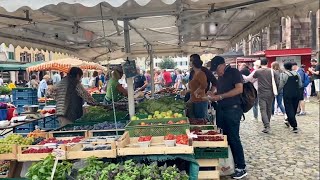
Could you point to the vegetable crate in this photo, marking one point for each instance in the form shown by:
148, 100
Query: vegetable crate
9, 156
208, 169
36, 156
24, 92
76, 151
157, 127
129, 146
109, 132
98, 97
74, 133
211, 153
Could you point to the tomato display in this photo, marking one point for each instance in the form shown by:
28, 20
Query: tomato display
144, 138
169, 137
182, 139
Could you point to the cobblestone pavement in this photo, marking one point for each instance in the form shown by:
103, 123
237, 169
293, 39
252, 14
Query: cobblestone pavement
282, 154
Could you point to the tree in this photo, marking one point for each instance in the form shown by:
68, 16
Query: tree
167, 63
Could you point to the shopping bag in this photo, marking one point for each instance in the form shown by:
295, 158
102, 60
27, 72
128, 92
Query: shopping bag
226, 165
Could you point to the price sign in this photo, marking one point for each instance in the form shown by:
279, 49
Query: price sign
129, 69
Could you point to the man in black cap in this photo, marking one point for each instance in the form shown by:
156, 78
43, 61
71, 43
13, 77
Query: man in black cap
229, 111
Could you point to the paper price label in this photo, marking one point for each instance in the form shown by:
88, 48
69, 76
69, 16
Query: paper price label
58, 153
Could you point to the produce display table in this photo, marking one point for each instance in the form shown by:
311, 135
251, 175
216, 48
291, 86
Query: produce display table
13, 126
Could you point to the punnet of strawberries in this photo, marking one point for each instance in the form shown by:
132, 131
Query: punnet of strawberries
170, 137
200, 132
209, 138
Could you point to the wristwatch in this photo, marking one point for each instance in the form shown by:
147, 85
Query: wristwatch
220, 97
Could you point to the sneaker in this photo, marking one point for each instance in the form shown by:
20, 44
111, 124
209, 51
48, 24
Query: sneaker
285, 117
280, 114
239, 174
302, 114
266, 130
295, 130
286, 122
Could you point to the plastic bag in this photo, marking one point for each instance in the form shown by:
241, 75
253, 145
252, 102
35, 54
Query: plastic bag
226, 166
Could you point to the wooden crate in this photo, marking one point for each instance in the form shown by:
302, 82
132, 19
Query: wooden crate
205, 144
36, 156
129, 146
92, 132
54, 133
76, 152
213, 173
9, 156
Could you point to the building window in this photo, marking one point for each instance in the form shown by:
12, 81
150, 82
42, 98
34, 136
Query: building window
39, 57
181, 63
25, 57
10, 55
156, 64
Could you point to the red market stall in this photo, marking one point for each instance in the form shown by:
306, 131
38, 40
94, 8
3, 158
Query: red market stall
300, 56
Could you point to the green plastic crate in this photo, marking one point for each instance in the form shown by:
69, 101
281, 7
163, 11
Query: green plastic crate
135, 129
211, 153
98, 97
51, 103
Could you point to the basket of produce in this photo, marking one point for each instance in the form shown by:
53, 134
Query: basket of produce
157, 127
148, 145
97, 149
208, 138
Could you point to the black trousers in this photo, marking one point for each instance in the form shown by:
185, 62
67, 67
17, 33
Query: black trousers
291, 105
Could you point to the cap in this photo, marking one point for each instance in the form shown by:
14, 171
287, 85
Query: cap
215, 62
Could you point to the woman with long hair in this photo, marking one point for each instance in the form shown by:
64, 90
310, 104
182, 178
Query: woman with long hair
276, 67
70, 96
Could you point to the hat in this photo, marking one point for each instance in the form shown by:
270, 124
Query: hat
215, 62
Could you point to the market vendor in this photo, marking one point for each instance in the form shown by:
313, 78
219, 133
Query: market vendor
114, 88
43, 86
70, 94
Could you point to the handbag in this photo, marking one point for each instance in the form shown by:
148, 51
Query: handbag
274, 86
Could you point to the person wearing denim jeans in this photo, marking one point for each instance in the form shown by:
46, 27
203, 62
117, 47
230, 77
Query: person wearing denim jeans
255, 109
279, 99
229, 112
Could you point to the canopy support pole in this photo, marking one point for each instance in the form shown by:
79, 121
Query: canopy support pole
129, 80
150, 51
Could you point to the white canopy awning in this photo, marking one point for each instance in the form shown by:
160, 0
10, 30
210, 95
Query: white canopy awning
171, 27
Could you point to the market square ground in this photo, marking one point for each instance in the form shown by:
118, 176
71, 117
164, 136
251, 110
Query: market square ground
282, 154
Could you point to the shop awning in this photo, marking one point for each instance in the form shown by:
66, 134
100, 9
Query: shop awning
17, 67
289, 52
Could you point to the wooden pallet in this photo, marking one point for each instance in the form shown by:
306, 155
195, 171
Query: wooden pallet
129, 146
76, 152
36, 156
209, 144
9, 156
208, 174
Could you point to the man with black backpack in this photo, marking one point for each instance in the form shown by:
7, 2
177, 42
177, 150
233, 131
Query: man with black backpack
229, 109
291, 83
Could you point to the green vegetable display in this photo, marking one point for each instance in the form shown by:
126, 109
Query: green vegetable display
163, 104
4, 90
99, 114
129, 170
42, 170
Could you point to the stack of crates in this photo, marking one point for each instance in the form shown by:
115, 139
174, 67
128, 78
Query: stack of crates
24, 96
49, 123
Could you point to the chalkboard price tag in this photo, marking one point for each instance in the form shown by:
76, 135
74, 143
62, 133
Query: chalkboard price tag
129, 69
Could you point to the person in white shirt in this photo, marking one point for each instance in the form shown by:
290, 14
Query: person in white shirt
56, 78
43, 86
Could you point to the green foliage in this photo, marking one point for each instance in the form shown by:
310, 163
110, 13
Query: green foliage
42, 170
99, 114
4, 90
167, 63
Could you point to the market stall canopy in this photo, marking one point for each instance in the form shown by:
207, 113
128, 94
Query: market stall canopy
64, 65
171, 27
17, 67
